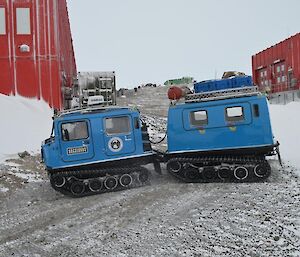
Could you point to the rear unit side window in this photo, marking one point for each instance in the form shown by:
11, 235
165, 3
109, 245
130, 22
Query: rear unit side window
117, 125
23, 21
2, 21
74, 131
256, 110
199, 118
235, 113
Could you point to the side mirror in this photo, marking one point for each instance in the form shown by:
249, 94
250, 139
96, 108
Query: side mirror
136, 123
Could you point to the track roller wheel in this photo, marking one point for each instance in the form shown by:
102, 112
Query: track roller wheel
143, 176
110, 182
125, 180
262, 170
77, 188
209, 173
224, 173
241, 173
174, 166
59, 181
95, 185
192, 173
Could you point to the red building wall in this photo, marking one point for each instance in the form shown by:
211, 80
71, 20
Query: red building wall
36, 51
277, 68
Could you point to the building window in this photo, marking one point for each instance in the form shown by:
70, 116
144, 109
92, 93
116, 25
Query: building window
282, 67
263, 74
278, 69
118, 125
234, 113
278, 79
23, 21
199, 118
283, 78
2, 21
74, 131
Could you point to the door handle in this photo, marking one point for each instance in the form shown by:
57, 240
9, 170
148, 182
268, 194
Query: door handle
127, 138
85, 142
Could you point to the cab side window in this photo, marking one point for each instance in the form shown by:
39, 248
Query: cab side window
256, 110
235, 113
74, 131
117, 125
199, 118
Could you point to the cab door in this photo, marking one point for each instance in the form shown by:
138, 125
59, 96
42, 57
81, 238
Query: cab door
118, 135
76, 140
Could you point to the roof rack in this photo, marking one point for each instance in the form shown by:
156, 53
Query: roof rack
88, 109
222, 94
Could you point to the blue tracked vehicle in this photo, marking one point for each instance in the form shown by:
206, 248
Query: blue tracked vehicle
95, 150
220, 135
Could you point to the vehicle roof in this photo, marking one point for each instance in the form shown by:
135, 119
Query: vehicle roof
78, 113
219, 102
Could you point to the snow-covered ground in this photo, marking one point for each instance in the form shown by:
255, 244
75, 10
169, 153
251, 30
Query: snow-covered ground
286, 128
167, 218
24, 124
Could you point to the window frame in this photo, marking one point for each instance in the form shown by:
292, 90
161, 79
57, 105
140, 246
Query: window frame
20, 29
118, 133
234, 118
278, 68
192, 119
80, 121
278, 80
262, 74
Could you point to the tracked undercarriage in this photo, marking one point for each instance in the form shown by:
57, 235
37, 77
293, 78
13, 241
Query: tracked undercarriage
78, 183
219, 169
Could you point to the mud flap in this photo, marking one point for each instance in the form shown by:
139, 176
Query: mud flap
156, 165
278, 153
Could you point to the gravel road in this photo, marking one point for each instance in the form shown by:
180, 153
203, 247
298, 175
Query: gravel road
166, 218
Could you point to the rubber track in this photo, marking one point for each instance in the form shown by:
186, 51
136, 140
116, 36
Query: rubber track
85, 175
213, 161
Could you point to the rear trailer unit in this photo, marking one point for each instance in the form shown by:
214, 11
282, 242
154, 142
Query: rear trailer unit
220, 135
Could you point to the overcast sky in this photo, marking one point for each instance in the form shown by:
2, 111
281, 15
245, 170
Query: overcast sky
156, 40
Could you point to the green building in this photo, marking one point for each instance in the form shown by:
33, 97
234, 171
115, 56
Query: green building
182, 81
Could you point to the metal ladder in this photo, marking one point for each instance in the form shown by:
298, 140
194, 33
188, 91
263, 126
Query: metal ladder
222, 94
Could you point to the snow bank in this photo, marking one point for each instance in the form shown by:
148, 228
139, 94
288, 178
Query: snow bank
286, 128
25, 123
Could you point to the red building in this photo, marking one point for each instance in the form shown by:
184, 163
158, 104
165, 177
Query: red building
277, 68
36, 51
